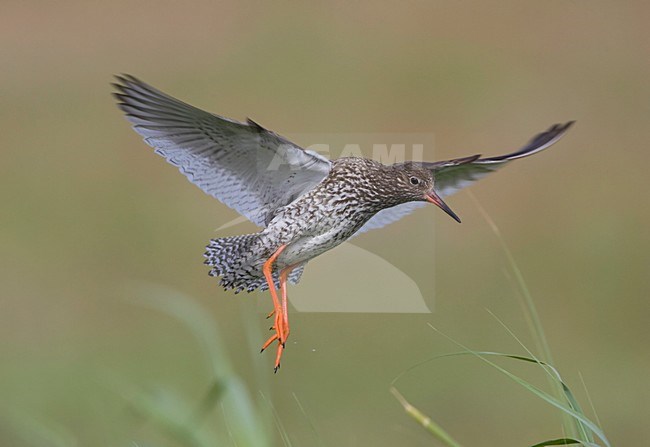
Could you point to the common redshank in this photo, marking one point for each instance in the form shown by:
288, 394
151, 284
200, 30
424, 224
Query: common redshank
304, 203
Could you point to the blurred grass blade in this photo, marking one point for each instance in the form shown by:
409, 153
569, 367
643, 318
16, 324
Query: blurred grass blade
579, 416
168, 413
228, 389
573, 403
308, 419
425, 421
561, 441
572, 410
209, 402
278, 422
185, 310
582, 431
532, 317
591, 403
531, 310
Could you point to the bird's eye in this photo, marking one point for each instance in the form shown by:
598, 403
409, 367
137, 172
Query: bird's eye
414, 181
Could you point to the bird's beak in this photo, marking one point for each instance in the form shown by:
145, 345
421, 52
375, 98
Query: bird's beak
434, 198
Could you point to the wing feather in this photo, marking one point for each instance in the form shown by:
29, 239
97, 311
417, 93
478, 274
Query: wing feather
389, 215
243, 165
451, 176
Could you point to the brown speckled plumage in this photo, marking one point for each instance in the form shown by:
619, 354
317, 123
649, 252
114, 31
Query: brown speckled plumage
330, 213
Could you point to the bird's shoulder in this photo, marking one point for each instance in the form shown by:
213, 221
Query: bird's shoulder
356, 164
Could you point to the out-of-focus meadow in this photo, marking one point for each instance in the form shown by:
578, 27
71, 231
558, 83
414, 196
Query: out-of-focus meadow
93, 223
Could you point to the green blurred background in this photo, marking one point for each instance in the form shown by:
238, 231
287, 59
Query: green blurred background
88, 210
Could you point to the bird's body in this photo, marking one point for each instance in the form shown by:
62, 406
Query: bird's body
314, 223
305, 203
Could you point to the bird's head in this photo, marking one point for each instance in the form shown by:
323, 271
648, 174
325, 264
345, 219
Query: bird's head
417, 183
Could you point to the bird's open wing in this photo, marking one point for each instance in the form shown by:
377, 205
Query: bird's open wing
389, 215
245, 166
453, 175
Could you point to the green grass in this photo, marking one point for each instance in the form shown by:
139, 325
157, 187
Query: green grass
245, 422
578, 427
227, 404
228, 413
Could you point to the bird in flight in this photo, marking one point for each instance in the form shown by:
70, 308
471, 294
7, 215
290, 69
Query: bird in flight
304, 203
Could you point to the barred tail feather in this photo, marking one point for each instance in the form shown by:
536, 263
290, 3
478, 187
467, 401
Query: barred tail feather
230, 259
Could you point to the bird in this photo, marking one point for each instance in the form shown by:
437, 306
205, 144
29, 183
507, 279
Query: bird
304, 203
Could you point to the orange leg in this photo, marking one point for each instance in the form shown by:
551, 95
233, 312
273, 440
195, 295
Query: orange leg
279, 335
284, 274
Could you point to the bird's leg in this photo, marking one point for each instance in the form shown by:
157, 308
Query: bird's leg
267, 269
284, 274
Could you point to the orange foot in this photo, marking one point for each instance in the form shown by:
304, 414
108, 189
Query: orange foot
281, 322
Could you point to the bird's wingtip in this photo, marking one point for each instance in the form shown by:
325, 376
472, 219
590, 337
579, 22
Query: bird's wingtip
254, 124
